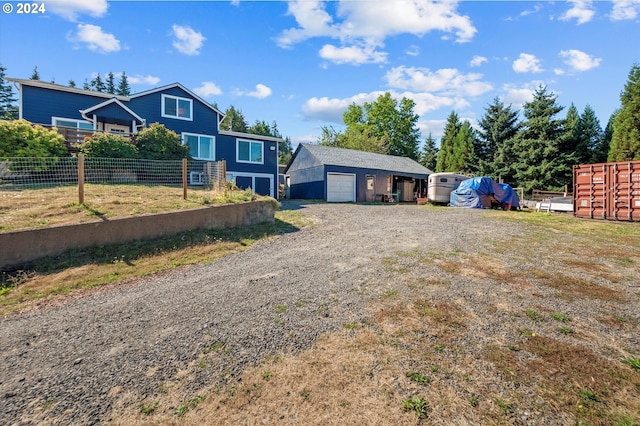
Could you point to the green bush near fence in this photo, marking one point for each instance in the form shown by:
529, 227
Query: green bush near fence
19, 138
156, 142
108, 145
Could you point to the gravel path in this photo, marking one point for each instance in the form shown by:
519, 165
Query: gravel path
70, 364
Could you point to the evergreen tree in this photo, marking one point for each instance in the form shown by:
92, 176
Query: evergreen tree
601, 150
8, 109
97, 84
111, 85
498, 126
570, 143
464, 159
86, 85
123, 86
71, 83
261, 127
445, 154
540, 163
590, 136
35, 75
234, 120
285, 151
625, 143
429, 154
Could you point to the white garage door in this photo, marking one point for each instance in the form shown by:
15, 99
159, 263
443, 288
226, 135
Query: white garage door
341, 188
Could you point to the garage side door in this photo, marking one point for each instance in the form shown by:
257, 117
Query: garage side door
341, 188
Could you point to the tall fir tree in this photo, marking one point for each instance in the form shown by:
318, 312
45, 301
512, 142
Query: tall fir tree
625, 143
497, 126
234, 120
111, 83
97, 84
35, 74
445, 154
285, 151
590, 136
8, 109
71, 83
123, 85
600, 152
540, 162
429, 154
463, 157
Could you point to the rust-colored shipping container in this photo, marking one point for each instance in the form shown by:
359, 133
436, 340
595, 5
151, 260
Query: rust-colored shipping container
607, 191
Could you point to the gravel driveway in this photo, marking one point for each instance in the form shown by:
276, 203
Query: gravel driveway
71, 364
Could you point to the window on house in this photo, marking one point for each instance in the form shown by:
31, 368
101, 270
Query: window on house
249, 152
71, 123
174, 107
201, 147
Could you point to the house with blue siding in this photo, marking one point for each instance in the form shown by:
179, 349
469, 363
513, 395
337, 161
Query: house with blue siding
252, 160
346, 175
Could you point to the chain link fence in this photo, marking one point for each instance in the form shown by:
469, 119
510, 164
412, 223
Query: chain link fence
34, 173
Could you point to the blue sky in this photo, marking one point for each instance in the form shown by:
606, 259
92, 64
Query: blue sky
301, 63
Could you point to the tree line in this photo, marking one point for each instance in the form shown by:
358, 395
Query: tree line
234, 119
537, 151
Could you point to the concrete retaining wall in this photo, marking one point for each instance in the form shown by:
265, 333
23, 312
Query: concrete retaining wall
20, 247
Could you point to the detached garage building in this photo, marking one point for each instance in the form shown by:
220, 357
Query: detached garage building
346, 175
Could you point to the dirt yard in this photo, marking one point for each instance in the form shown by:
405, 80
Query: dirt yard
374, 315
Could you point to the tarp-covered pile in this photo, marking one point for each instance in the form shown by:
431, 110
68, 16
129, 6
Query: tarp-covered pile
479, 192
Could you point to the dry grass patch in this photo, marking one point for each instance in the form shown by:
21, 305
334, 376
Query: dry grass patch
572, 379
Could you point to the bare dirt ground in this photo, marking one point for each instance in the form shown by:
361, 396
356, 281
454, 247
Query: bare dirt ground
377, 314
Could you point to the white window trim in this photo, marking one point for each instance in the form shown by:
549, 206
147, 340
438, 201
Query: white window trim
238, 160
213, 138
177, 98
231, 177
74, 120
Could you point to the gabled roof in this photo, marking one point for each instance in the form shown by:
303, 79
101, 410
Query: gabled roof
180, 86
61, 88
109, 102
250, 136
329, 155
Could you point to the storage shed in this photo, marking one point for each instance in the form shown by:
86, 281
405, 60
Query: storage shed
346, 175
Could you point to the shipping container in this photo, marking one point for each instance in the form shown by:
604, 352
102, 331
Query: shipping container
608, 191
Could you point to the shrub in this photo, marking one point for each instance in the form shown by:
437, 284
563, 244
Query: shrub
107, 145
19, 138
156, 142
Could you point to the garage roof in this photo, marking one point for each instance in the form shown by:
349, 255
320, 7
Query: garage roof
329, 155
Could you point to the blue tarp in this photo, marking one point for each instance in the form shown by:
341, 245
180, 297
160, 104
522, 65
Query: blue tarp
478, 193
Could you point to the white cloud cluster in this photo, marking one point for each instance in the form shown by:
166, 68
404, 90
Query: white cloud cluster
206, 89
71, 9
527, 63
445, 81
625, 10
143, 79
95, 39
362, 27
260, 92
478, 60
582, 11
187, 40
579, 61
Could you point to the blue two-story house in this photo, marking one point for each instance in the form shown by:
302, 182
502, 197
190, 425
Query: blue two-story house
252, 160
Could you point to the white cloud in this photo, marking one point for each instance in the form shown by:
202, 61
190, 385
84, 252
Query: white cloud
360, 26
579, 61
207, 89
477, 60
625, 10
143, 79
582, 11
95, 39
413, 50
435, 127
446, 81
352, 55
517, 96
187, 40
71, 9
527, 63
261, 92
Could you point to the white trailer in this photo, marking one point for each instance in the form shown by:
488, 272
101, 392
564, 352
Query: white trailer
441, 185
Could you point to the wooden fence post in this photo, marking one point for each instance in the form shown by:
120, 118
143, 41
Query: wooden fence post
184, 178
81, 178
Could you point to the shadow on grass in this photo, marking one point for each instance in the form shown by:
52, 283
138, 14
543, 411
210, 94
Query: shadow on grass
130, 252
